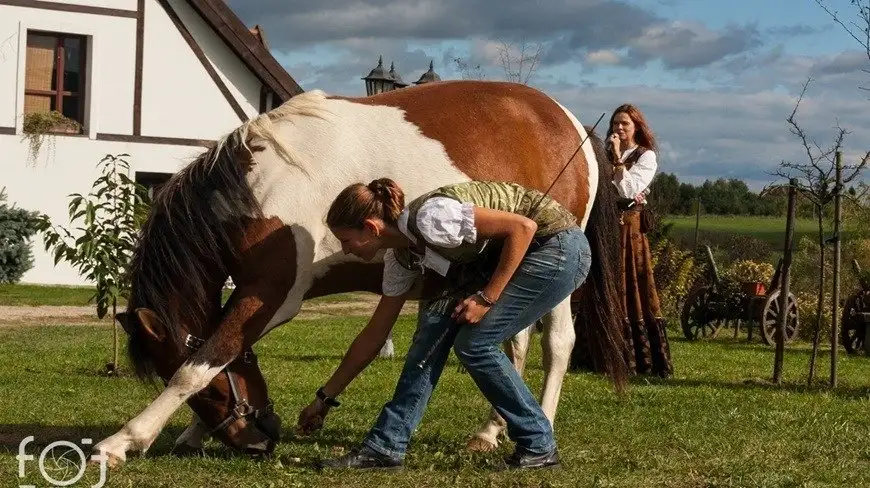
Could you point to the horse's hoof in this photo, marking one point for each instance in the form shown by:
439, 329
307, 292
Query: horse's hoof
112, 461
477, 444
184, 450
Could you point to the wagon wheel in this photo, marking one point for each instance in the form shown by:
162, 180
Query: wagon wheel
770, 317
852, 333
696, 320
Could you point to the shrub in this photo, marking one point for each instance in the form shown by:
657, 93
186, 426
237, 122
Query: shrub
675, 271
747, 270
16, 227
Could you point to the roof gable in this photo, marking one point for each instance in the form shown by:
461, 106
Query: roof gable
247, 46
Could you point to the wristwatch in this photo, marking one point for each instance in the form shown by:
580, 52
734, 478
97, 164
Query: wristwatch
327, 400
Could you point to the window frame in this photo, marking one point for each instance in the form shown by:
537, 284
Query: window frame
58, 66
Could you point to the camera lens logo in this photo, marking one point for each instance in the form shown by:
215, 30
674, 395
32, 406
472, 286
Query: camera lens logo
61, 463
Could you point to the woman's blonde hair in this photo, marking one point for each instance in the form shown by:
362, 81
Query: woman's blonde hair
382, 198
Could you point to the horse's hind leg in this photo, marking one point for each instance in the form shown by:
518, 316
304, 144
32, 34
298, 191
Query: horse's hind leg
388, 350
557, 343
486, 438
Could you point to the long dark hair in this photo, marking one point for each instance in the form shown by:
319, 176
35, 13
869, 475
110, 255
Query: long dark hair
187, 241
601, 344
643, 135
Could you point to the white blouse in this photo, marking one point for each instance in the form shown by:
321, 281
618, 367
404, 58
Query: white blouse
443, 222
639, 177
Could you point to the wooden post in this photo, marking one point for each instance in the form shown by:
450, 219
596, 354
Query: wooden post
785, 282
835, 309
697, 220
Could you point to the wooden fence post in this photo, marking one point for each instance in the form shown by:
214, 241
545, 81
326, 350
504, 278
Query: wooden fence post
835, 308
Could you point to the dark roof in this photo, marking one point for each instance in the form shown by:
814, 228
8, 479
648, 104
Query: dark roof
250, 48
429, 76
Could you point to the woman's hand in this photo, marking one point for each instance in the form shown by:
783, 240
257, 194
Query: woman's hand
471, 310
615, 144
311, 417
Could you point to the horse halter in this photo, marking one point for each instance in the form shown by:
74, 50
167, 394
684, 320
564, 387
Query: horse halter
241, 408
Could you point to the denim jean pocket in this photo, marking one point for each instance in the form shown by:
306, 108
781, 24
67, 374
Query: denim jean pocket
545, 261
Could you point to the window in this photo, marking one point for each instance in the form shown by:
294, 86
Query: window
55, 74
152, 181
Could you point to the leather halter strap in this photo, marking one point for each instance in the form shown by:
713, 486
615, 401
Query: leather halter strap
241, 408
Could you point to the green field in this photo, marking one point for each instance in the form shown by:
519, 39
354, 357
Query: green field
32, 295
716, 423
717, 229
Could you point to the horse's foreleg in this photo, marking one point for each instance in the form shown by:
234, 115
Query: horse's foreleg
139, 433
486, 438
190, 441
557, 343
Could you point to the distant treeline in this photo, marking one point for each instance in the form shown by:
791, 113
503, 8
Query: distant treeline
721, 197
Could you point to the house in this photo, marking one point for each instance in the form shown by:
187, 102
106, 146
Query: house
159, 80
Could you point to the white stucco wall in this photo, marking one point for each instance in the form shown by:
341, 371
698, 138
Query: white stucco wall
68, 165
179, 100
176, 87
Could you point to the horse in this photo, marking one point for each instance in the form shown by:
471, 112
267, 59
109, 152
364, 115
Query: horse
253, 207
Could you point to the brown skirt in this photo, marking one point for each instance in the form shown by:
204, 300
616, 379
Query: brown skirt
647, 340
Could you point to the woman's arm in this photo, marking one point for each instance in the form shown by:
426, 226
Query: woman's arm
366, 345
358, 356
517, 232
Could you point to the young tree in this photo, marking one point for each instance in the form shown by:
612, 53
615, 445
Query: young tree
816, 182
519, 62
107, 223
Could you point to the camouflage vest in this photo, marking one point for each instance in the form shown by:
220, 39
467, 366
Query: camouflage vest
550, 216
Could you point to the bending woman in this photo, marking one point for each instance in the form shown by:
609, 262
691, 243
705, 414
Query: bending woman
517, 261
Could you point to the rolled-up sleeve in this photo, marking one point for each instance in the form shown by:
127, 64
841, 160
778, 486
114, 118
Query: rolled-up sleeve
638, 178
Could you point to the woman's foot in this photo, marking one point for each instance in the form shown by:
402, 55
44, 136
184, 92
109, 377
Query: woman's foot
533, 461
363, 458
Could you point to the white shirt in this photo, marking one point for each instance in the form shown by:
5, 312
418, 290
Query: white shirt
443, 222
639, 177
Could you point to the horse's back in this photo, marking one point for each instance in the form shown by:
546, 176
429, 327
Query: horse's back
502, 131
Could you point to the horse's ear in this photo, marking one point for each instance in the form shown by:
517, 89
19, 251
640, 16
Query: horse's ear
151, 324
126, 321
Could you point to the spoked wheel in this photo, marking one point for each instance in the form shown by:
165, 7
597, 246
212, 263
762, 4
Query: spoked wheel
696, 320
770, 317
852, 333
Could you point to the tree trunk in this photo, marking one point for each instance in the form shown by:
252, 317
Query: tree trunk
820, 299
114, 335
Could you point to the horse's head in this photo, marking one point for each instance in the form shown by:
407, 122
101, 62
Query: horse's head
180, 264
234, 407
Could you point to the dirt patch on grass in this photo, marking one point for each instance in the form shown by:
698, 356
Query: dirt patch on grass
12, 316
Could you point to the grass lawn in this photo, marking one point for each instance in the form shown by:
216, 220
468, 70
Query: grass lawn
715, 424
716, 228
32, 295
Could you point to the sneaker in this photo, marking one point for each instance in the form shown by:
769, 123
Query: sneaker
363, 458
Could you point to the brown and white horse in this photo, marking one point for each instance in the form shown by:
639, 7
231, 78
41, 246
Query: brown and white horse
254, 206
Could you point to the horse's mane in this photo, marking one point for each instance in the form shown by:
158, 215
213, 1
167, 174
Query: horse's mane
188, 238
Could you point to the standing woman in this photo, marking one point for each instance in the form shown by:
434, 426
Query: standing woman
632, 146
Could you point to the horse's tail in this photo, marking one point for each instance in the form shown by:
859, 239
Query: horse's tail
600, 334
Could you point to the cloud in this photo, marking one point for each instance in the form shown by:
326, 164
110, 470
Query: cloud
685, 45
570, 29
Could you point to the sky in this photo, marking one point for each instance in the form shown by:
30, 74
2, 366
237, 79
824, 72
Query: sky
716, 80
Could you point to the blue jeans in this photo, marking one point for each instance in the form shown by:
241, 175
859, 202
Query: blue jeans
546, 276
